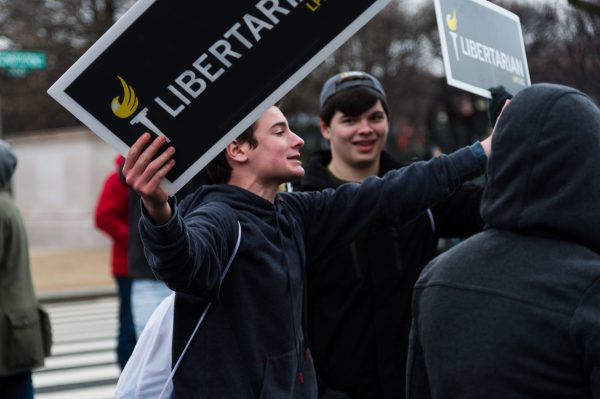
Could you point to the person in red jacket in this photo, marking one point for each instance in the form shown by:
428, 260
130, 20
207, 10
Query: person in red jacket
112, 217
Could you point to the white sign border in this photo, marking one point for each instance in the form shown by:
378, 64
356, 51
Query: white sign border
57, 90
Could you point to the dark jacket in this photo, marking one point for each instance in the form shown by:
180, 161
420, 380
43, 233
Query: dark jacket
138, 265
136, 260
359, 297
513, 312
252, 344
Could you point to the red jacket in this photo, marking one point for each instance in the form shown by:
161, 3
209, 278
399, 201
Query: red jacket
112, 217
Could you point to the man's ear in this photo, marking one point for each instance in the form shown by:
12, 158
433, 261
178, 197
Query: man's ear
237, 151
324, 130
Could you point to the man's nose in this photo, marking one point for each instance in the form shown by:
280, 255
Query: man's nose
297, 142
364, 127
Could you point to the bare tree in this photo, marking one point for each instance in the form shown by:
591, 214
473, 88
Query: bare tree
63, 30
562, 44
399, 46
587, 6
390, 48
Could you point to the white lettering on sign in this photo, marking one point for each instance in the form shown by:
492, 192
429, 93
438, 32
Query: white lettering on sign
212, 64
487, 54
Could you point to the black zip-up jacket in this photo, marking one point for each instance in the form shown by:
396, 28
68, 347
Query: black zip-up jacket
251, 344
359, 296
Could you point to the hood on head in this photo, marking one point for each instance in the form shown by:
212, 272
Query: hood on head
544, 170
8, 163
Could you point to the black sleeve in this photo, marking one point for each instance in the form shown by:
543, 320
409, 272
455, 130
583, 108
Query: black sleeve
458, 216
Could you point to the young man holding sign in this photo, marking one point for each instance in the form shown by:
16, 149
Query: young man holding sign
252, 343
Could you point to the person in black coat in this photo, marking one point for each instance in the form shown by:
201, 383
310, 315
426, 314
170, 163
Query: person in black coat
512, 312
358, 304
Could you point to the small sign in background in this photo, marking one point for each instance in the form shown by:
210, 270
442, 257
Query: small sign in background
20, 62
482, 46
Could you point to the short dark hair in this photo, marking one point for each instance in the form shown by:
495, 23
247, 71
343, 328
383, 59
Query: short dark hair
353, 102
219, 169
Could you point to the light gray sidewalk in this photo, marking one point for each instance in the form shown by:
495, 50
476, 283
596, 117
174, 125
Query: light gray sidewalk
71, 274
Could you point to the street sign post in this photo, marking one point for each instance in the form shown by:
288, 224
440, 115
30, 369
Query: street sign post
19, 63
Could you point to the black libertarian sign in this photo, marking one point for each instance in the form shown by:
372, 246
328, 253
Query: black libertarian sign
201, 72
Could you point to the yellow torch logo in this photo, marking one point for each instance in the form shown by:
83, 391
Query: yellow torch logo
452, 20
126, 108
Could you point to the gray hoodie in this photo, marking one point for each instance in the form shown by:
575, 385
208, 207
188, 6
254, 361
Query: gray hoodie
513, 312
23, 344
8, 164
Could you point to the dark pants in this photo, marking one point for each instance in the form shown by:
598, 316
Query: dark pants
17, 386
126, 340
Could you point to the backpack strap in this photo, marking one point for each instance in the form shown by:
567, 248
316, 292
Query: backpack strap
176, 366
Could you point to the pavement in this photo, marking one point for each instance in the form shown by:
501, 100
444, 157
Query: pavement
69, 274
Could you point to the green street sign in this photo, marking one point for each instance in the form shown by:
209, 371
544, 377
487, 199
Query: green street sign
22, 60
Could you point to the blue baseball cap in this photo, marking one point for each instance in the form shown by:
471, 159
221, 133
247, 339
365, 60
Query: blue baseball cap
346, 80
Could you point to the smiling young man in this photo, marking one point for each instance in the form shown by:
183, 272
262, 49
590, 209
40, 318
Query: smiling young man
359, 295
252, 343
357, 135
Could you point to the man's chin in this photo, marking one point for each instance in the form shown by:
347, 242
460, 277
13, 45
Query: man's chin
365, 163
297, 174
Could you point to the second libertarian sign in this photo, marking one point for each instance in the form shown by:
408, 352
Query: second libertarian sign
200, 72
482, 45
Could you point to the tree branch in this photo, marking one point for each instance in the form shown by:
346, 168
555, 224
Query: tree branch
586, 6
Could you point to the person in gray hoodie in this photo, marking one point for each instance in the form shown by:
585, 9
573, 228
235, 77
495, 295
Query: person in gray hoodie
24, 327
252, 343
514, 311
